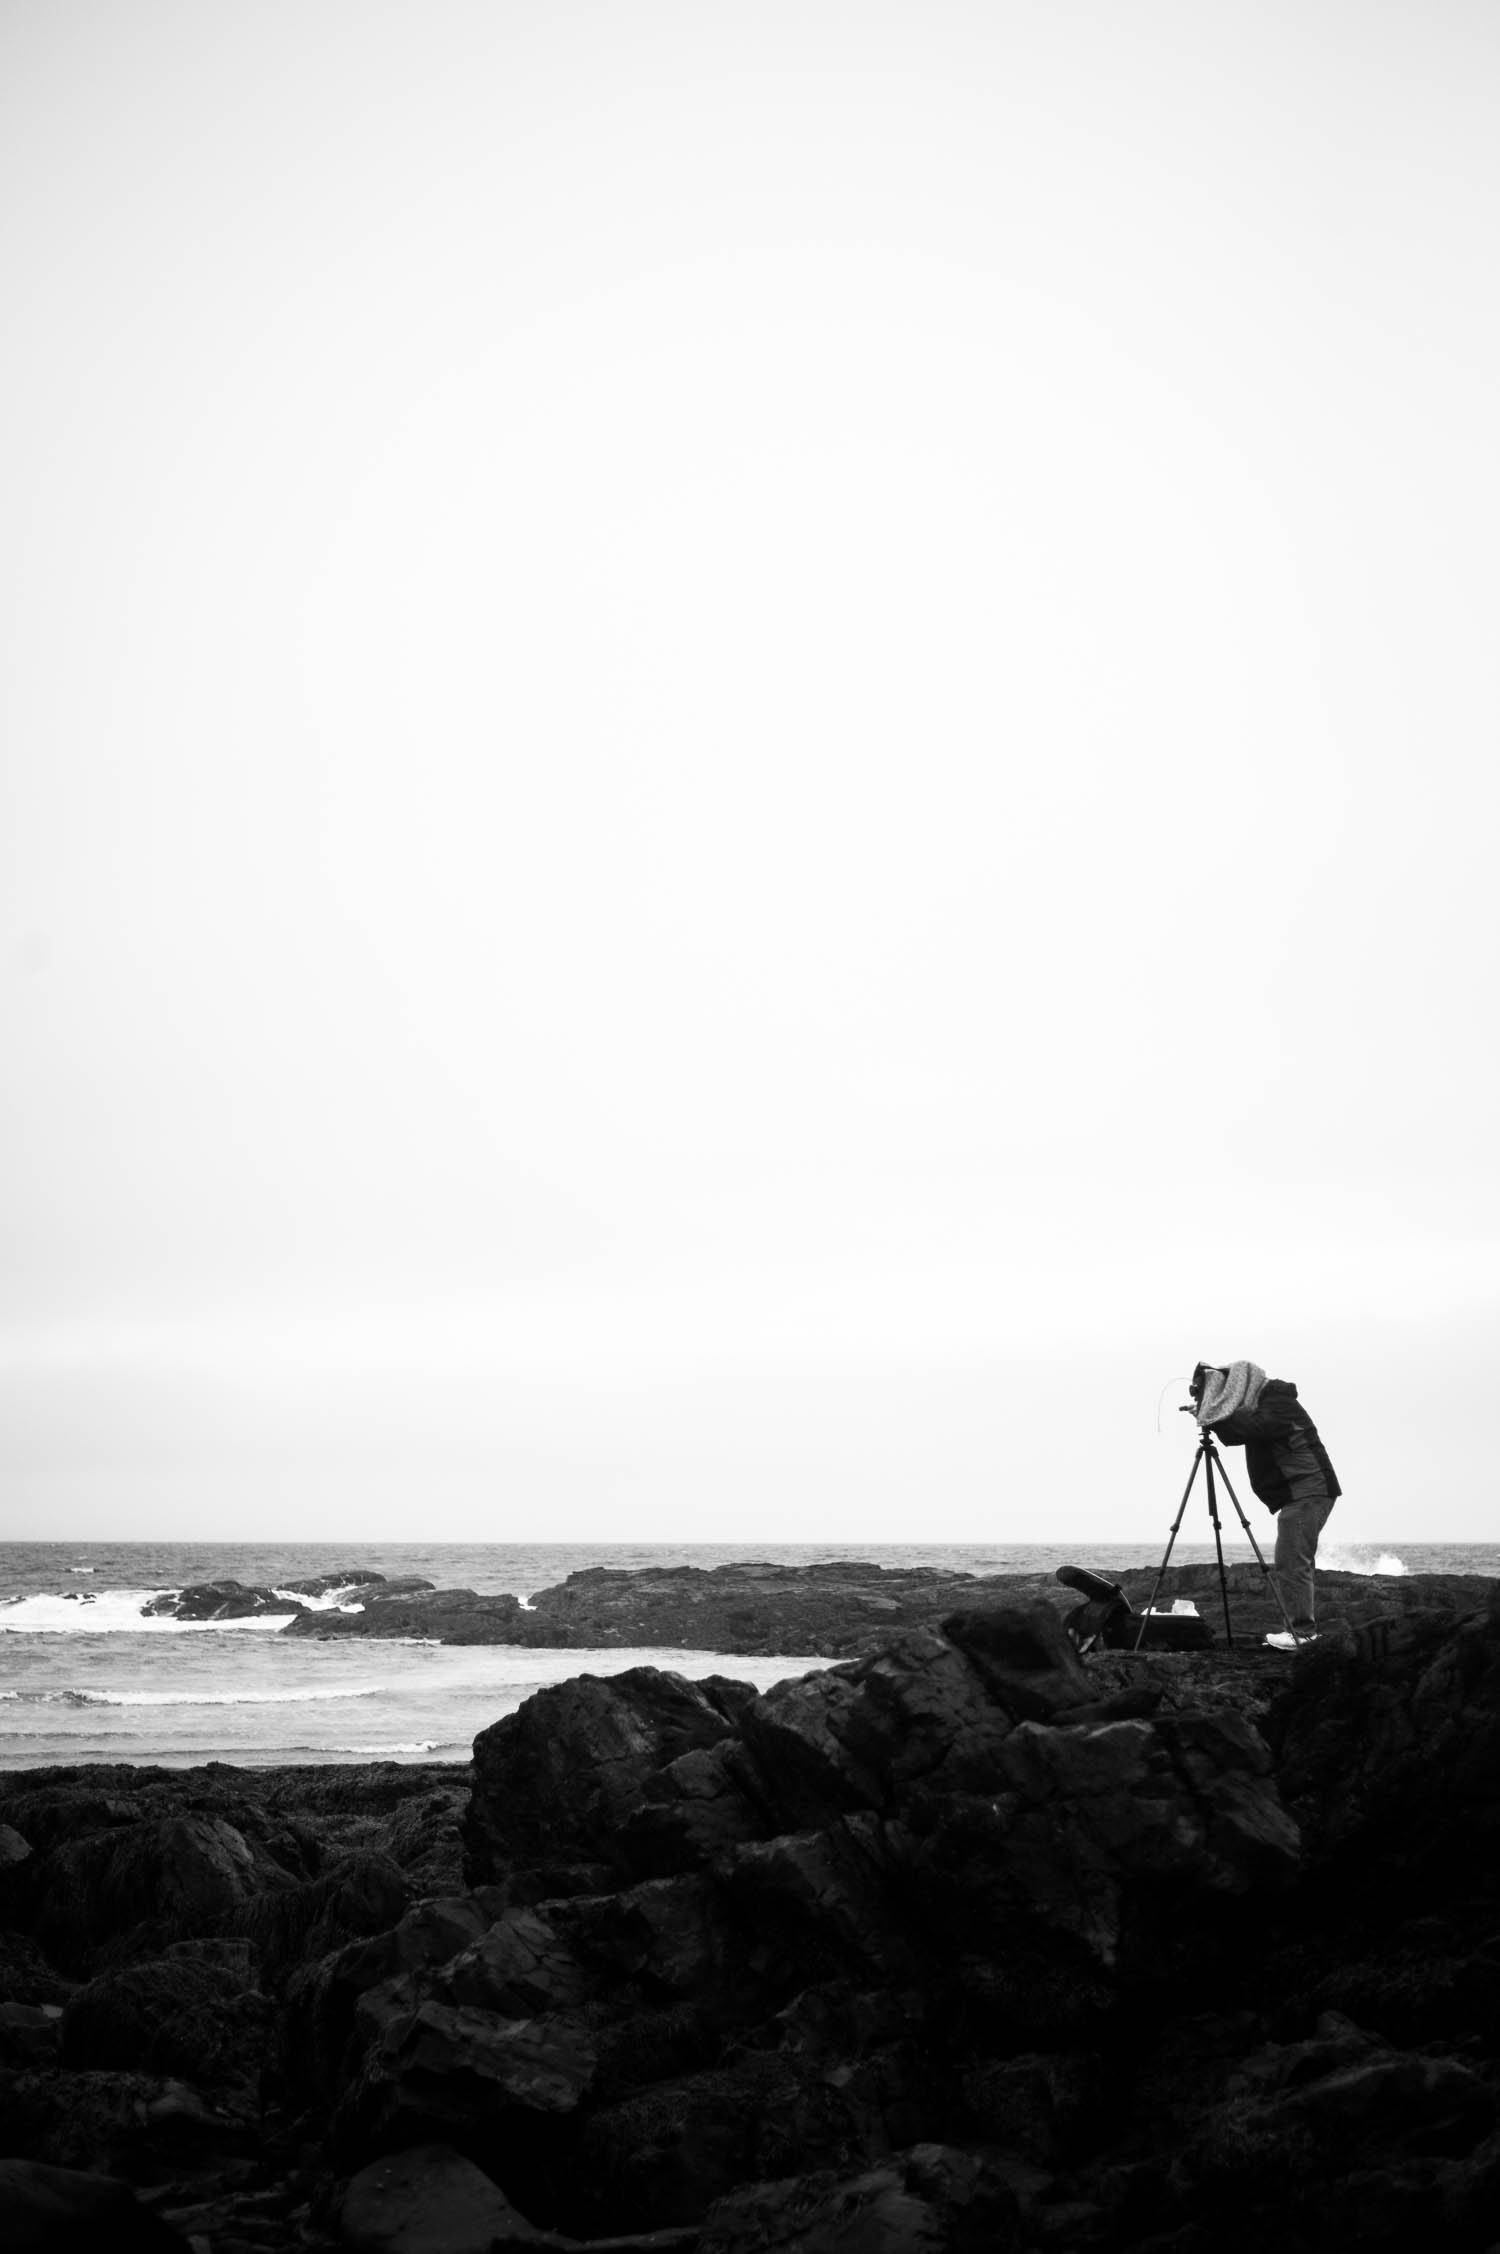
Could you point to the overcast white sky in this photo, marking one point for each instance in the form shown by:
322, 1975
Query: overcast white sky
750, 760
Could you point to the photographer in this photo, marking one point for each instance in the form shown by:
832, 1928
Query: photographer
1288, 1467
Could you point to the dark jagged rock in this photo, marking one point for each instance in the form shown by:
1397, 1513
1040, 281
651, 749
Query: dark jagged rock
321, 1997
429, 2200
906, 1807
154, 1881
558, 1778
434, 2066
418, 1611
964, 1941
235, 1600
215, 1600
195, 2016
835, 1610
1390, 1739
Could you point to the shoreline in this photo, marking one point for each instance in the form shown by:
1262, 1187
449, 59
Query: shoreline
830, 1610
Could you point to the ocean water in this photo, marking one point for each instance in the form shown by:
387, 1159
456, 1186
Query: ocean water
83, 1677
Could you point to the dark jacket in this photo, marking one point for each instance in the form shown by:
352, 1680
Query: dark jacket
1286, 1460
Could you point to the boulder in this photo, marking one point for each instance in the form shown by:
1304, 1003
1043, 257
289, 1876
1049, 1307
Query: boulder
166, 1878
1025, 1659
661, 1941
518, 1967
449, 2074
1389, 1743
555, 1781
934, 1707
423, 1838
363, 1893
821, 1905
706, 1800
13, 1848
1095, 1832
427, 2200
197, 2018
318, 2018
47, 1809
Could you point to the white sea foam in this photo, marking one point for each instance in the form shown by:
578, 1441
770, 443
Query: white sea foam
113, 1612
71, 1697
1336, 1559
104, 1612
330, 1600
376, 1752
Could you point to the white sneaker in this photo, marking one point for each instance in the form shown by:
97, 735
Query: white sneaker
1286, 1639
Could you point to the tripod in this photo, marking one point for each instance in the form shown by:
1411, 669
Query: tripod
1208, 1455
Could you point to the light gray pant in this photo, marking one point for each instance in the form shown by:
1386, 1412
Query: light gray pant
1298, 1526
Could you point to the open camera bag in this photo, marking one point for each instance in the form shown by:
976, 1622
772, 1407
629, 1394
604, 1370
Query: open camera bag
1106, 1620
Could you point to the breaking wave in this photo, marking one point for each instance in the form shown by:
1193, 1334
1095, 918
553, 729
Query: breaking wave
1336, 1559
70, 1697
329, 1600
116, 1612
375, 1752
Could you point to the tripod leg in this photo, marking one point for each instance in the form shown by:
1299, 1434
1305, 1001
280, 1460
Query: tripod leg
1271, 1580
1171, 1539
1209, 1460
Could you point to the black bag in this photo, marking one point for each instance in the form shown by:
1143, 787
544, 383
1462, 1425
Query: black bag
1107, 1619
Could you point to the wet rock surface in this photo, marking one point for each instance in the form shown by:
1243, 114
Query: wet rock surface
965, 1942
234, 1600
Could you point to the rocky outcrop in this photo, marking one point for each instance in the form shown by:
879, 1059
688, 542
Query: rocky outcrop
804, 1611
908, 1854
965, 1942
234, 1600
449, 1616
835, 1610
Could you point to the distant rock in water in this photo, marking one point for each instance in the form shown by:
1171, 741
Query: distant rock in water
416, 1608
233, 1600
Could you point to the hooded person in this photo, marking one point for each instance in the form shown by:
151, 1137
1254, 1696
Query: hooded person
1288, 1468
